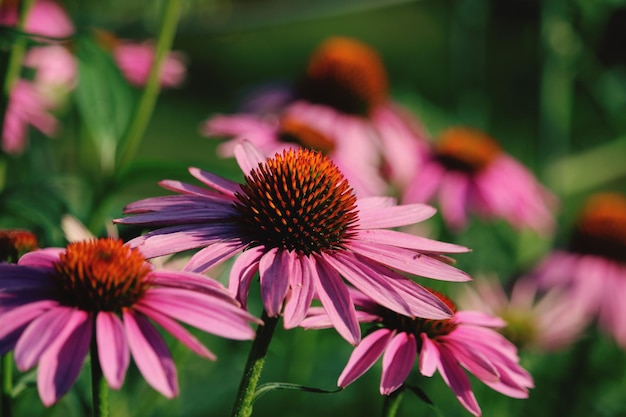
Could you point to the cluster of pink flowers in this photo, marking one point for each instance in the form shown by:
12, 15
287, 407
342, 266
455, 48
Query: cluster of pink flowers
32, 102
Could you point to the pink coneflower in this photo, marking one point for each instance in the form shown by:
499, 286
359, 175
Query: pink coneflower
16, 242
296, 221
56, 301
46, 18
468, 172
594, 266
55, 70
535, 320
344, 94
466, 340
26, 107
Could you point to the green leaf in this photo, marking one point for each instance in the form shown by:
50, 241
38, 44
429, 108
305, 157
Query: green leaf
271, 386
104, 98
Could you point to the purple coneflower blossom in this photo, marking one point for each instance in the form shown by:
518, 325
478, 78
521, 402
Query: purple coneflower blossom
45, 18
468, 172
297, 223
343, 94
466, 340
535, 320
593, 268
55, 301
135, 60
16, 242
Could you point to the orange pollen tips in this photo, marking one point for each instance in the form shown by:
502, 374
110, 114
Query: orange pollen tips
101, 275
347, 75
299, 201
601, 227
432, 328
14, 243
292, 130
466, 149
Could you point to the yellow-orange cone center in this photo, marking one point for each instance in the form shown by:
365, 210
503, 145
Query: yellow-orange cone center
466, 149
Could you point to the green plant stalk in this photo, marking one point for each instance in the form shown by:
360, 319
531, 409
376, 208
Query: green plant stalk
254, 366
132, 139
392, 403
99, 387
7, 384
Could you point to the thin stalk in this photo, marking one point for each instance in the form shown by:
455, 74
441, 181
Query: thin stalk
392, 403
254, 367
130, 142
99, 387
7, 384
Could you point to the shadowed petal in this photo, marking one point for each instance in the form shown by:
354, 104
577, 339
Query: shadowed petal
213, 255
364, 356
274, 273
397, 362
62, 361
457, 380
300, 293
429, 356
113, 351
243, 270
405, 240
216, 182
478, 318
42, 258
150, 354
335, 298
248, 157
453, 196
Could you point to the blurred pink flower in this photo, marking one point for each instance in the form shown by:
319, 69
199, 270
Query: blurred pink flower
46, 18
466, 340
469, 173
537, 321
593, 268
297, 222
135, 61
26, 107
344, 95
14, 243
55, 72
56, 300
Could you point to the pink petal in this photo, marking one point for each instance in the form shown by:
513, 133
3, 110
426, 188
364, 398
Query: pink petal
212, 255
216, 182
243, 270
478, 318
177, 331
472, 359
151, 354
335, 298
429, 356
300, 293
248, 156
274, 273
395, 216
42, 258
63, 359
405, 240
366, 204
454, 200
365, 355
113, 351
397, 362
457, 380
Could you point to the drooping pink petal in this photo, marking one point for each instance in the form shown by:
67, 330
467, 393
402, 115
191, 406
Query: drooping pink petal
192, 190
454, 377
429, 356
42, 258
177, 331
113, 351
335, 298
398, 361
405, 240
453, 196
472, 359
364, 356
151, 354
243, 270
213, 255
274, 275
16, 319
216, 182
384, 217
61, 362
299, 295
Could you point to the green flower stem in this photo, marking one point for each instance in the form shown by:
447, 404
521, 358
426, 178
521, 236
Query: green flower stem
6, 367
130, 142
14, 62
254, 366
392, 403
99, 387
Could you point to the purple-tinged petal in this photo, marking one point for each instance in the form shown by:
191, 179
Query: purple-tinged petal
190, 281
454, 376
429, 356
20, 316
17, 277
248, 156
187, 215
113, 351
364, 356
62, 361
212, 255
194, 190
300, 293
395, 216
40, 334
405, 240
243, 270
178, 202
472, 359
335, 298
151, 354
316, 318
177, 331
398, 361
410, 261
216, 182
478, 318
274, 274
453, 194
42, 258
